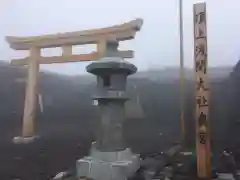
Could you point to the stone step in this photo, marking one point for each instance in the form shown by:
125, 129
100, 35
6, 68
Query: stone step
225, 176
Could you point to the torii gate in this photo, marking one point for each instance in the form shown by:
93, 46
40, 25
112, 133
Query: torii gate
100, 37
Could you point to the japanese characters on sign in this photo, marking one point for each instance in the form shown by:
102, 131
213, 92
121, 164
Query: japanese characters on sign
201, 101
202, 88
201, 71
202, 138
201, 84
202, 121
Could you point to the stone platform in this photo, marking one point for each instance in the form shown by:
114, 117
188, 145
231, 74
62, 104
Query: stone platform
108, 165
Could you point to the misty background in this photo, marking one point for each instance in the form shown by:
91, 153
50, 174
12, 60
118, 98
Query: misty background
156, 45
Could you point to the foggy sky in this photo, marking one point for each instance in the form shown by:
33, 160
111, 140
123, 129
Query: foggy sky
156, 45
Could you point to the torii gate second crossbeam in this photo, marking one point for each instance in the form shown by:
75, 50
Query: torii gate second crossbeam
100, 37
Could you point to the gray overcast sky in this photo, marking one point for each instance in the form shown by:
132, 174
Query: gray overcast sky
156, 45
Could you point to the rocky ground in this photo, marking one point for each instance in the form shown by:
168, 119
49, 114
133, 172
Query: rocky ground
40, 160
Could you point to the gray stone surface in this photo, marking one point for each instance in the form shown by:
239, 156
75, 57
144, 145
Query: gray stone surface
225, 176
112, 65
109, 158
108, 165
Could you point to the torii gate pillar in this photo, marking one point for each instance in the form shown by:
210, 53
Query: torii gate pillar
31, 95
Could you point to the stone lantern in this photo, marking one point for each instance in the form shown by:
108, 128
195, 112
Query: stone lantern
109, 158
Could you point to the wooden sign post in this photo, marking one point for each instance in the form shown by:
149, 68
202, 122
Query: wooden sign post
202, 92
100, 37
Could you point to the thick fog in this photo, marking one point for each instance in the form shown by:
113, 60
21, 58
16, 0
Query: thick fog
157, 45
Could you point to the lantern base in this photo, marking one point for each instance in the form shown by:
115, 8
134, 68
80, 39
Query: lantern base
108, 165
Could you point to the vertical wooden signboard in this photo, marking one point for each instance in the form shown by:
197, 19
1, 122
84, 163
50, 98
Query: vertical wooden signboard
202, 92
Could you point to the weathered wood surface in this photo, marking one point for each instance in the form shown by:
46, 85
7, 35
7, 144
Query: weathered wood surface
202, 92
121, 32
31, 95
68, 58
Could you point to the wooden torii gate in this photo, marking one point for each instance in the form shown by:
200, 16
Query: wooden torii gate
100, 37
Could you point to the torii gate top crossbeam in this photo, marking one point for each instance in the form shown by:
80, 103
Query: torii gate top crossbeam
125, 31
